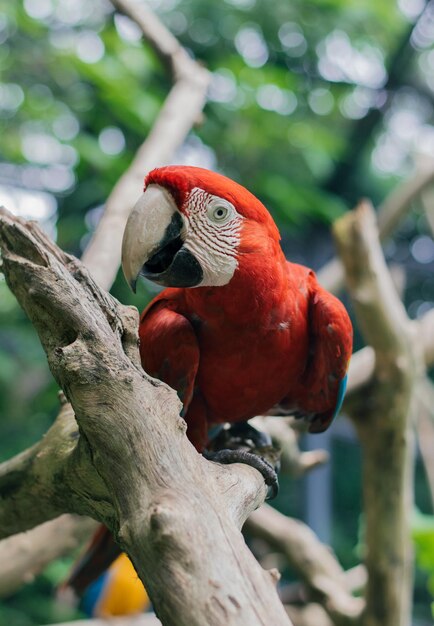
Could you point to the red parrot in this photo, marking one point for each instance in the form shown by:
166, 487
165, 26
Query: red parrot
238, 329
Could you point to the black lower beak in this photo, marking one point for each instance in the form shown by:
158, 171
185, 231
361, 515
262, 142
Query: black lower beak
162, 258
170, 263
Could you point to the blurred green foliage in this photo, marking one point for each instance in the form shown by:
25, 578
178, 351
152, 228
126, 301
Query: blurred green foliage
312, 105
423, 535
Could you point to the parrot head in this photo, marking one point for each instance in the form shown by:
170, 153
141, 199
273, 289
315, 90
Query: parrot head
192, 227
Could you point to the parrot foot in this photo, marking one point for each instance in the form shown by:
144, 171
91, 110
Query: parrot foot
242, 456
241, 443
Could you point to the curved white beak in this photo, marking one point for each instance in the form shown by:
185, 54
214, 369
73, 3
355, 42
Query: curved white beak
146, 230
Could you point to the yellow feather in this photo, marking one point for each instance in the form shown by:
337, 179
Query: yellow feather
123, 593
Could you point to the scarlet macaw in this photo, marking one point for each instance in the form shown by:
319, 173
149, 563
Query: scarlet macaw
239, 329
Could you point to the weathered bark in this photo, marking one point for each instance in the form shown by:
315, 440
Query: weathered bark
175, 514
383, 420
33, 484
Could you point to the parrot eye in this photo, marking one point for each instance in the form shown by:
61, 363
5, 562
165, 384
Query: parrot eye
220, 211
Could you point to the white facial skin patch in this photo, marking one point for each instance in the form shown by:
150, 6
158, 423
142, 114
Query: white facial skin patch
213, 236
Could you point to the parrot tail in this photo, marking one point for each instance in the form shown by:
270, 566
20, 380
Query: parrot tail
104, 582
98, 557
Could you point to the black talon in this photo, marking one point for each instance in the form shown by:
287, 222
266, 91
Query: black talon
241, 443
242, 456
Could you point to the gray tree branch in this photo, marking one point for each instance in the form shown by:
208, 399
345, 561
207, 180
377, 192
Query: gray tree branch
175, 514
390, 213
24, 555
383, 419
313, 561
425, 430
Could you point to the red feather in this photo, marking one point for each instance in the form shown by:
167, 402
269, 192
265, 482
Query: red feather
246, 351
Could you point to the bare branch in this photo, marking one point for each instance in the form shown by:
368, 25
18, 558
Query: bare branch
381, 314
310, 615
179, 113
390, 213
33, 484
165, 503
427, 199
362, 365
164, 44
397, 203
25, 555
353, 580
383, 419
425, 429
361, 370
425, 327
312, 560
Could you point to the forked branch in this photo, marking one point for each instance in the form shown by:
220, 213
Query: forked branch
176, 515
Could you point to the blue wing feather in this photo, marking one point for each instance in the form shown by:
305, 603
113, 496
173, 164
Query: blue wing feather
341, 395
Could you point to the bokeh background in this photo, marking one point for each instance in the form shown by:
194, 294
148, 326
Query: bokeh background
312, 106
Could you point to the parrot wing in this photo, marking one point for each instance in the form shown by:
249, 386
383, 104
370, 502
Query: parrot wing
168, 345
324, 380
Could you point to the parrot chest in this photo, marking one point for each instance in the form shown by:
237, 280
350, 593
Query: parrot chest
244, 372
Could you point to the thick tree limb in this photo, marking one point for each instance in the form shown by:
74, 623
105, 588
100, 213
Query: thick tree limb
363, 364
180, 111
310, 615
383, 420
33, 484
175, 514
